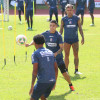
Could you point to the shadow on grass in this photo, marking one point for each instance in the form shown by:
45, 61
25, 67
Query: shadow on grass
75, 77
59, 97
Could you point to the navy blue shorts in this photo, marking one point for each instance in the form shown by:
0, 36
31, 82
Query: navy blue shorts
42, 89
29, 13
21, 8
79, 11
91, 10
71, 41
53, 11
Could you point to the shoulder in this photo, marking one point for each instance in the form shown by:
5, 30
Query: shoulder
44, 33
64, 18
76, 17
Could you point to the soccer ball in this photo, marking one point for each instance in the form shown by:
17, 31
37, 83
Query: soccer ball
21, 39
9, 27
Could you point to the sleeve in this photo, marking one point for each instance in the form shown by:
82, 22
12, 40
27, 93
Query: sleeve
60, 39
34, 58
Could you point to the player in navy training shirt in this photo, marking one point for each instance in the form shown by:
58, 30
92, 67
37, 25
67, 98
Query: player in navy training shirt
71, 23
63, 3
52, 8
54, 42
29, 13
91, 6
20, 8
44, 68
80, 8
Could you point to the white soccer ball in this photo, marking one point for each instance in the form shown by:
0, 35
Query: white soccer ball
21, 39
9, 27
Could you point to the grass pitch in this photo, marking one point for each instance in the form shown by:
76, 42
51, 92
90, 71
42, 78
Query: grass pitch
15, 80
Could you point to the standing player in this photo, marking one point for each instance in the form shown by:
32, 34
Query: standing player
20, 8
53, 41
52, 9
63, 3
29, 13
71, 23
44, 68
91, 6
80, 8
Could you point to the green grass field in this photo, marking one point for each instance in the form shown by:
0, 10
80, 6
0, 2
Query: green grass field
15, 80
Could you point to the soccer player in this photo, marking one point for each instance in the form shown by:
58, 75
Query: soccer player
44, 68
63, 3
80, 8
29, 13
91, 6
20, 8
53, 42
52, 9
71, 23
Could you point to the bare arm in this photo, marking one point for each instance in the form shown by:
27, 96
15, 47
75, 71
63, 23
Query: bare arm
81, 31
59, 51
76, 5
34, 75
61, 27
27, 45
46, 4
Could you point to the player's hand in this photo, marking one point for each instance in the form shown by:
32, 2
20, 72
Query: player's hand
82, 41
57, 6
55, 54
27, 45
31, 91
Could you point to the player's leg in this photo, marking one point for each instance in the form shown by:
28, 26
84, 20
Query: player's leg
82, 16
56, 14
27, 16
50, 13
67, 52
65, 74
92, 16
75, 47
19, 13
31, 17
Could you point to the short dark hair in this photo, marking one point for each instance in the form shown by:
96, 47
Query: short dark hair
68, 6
53, 21
39, 39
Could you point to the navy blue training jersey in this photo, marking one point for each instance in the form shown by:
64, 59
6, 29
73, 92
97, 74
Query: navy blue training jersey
70, 27
52, 3
29, 4
45, 59
52, 41
20, 3
81, 4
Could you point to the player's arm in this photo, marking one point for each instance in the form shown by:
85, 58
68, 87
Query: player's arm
89, 4
81, 31
27, 45
46, 4
76, 5
60, 50
61, 27
34, 75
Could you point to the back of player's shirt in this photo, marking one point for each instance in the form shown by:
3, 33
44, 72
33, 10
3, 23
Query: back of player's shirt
92, 3
52, 3
45, 59
29, 4
70, 27
81, 4
20, 3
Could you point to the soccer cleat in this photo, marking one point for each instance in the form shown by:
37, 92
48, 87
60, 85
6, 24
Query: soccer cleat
72, 88
48, 20
92, 24
78, 73
20, 22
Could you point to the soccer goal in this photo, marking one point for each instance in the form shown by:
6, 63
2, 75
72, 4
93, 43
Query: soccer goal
5, 5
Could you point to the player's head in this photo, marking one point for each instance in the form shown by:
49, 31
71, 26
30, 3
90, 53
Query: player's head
39, 40
53, 26
69, 9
